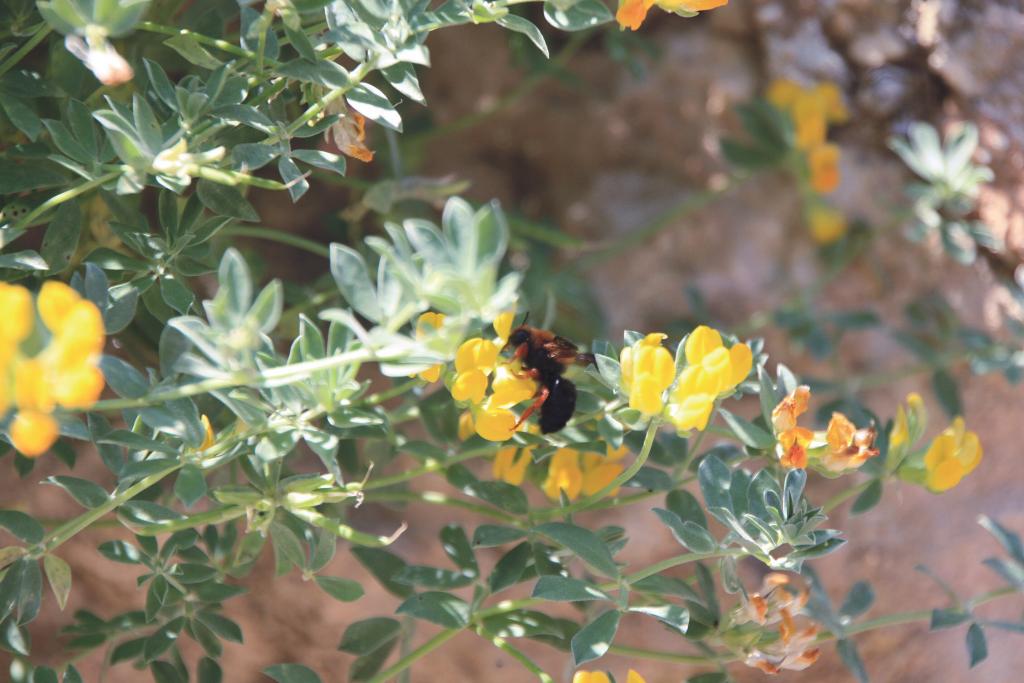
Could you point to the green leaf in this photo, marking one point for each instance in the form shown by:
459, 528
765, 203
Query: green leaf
520, 25
585, 543
21, 525
190, 486
384, 566
126, 381
690, 535
509, 569
686, 505
490, 535
456, 546
209, 671
868, 498
363, 637
85, 492
578, 16
374, 105
23, 260
564, 588
345, 590
947, 393
61, 237
164, 672
673, 616
353, 279
715, 479
58, 573
848, 653
194, 53
443, 609
221, 625
858, 600
715, 677
225, 200
291, 673
594, 639
977, 647
1010, 541
747, 432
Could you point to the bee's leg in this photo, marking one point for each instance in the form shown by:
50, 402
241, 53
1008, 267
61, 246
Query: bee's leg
537, 403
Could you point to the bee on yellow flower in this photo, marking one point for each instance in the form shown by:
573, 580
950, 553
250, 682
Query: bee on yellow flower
64, 374
631, 13
712, 370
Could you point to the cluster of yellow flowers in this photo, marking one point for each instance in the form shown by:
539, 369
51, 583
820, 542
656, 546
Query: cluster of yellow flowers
478, 363
712, 370
64, 372
779, 602
631, 13
950, 456
602, 677
845, 446
812, 110
572, 472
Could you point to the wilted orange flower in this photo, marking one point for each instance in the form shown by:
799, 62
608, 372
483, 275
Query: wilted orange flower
793, 439
348, 133
780, 602
631, 13
848, 447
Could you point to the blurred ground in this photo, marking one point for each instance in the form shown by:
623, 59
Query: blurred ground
602, 154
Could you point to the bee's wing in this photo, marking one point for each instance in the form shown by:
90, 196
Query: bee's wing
562, 350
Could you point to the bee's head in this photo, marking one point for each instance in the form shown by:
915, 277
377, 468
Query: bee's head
518, 337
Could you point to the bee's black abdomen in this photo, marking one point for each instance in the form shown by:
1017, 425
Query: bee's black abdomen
559, 406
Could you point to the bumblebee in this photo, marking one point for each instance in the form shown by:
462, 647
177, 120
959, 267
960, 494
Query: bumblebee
544, 357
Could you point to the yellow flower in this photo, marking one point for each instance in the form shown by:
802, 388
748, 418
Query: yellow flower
33, 432
910, 423
826, 223
32, 387
951, 456
503, 325
470, 386
476, 354
712, 370
508, 468
810, 119
55, 302
835, 110
591, 677
783, 93
466, 427
495, 424
81, 336
78, 388
848, 447
18, 316
426, 324
510, 387
210, 438
634, 677
631, 13
648, 369
564, 474
600, 471
823, 162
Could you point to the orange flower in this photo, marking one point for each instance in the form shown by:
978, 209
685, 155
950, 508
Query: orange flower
848, 447
780, 602
823, 161
794, 439
631, 13
348, 133
785, 414
794, 447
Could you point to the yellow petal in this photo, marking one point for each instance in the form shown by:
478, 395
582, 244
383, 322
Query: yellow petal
470, 386
466, 428
826, 223
829, 94
742, 361
645, 395
717, 371
840, 433
55, 302
634, 677
495, 424
428, 322
810, 119
597, 477
431, 374
79, 388
700, 343
783, 93
564, 474
691, 411
823, 162
32, 432
210, 437
503, 461
900, 433
32, 389
16, 312
626, 367
503, 324
590, 677
631, 15
476, 354
81, 337
942, 448
508, 389
657, 363
970, 452
945, 476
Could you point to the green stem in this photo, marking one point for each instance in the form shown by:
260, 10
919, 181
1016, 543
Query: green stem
430, 467
408, 660
20, 53
624, 476
279, 236
438, 498
287, 374
361, 72
198, 37
60, 198
518, 655
676, 658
